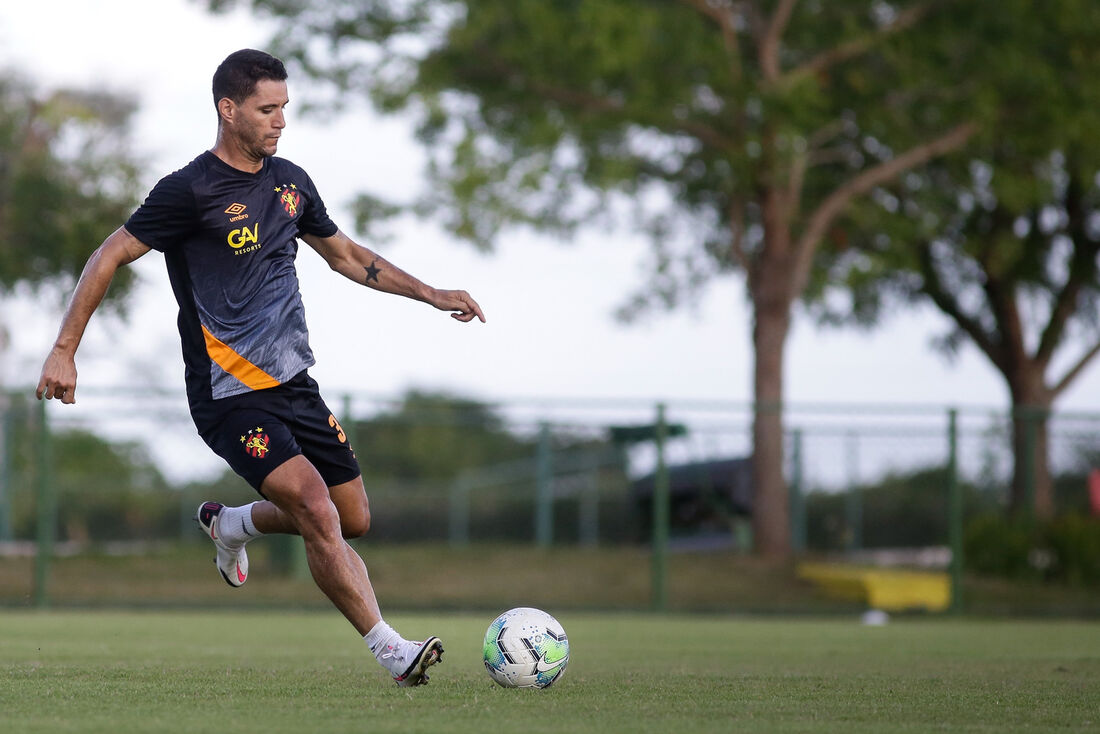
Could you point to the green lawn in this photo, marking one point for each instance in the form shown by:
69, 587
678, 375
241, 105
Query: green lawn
308, 672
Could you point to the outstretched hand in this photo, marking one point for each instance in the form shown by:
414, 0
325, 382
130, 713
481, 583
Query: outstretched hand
463, 306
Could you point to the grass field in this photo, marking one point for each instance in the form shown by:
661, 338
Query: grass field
223, 672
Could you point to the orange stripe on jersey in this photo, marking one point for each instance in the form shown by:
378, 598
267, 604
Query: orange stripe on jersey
228, 359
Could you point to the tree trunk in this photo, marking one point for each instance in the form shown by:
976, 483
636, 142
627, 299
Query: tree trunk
772, 315
1032, 486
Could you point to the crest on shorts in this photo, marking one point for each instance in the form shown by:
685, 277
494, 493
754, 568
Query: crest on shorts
255, 442
289, 198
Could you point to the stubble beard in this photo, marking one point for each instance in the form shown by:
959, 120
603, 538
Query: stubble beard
256, 146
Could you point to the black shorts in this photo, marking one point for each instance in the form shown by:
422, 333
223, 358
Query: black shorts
257, 431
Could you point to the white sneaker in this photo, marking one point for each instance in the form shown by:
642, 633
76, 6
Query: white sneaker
232, 561
407, 661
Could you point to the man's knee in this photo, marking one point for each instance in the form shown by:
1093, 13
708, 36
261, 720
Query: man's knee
298, 490
355, 522
311, 507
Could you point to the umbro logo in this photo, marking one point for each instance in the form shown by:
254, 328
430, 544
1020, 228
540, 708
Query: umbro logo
236, 212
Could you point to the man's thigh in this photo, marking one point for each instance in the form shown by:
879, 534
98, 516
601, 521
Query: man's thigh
254, 442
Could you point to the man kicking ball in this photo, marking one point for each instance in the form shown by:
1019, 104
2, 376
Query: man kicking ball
228, 224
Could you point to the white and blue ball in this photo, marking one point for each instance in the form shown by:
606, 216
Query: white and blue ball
526, 648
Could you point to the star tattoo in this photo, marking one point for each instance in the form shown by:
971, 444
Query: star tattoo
372, 272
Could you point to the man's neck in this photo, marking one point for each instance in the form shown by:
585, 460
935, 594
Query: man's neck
232, 155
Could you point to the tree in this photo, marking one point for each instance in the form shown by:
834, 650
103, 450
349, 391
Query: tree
1017, 279
105, 490
435, 437
67, 179
1005, 241
742, 131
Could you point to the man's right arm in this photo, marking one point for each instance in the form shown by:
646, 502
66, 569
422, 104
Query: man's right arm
58, 378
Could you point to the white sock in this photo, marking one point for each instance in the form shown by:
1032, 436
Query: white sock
380, 637
235, 525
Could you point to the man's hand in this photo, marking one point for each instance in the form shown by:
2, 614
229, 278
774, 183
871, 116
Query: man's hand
58, 378
464, 307
359, 264
59, 371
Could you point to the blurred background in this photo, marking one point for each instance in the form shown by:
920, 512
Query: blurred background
791, 306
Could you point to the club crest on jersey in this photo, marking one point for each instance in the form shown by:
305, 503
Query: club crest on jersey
255, 442
289, 198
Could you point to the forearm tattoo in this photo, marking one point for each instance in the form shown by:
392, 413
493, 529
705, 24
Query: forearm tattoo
372, 272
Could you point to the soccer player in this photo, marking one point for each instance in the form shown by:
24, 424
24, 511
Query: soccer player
228, 224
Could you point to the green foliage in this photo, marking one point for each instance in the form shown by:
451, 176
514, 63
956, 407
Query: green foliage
435, 436
1074, 542
67, 179
538, 113
1001, 546
1065, 549
105, 490
413, 455
907, 510
1006, 231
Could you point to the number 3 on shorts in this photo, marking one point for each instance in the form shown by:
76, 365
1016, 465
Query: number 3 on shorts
333, 423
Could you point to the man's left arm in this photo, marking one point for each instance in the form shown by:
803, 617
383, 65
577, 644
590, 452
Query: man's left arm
365, 267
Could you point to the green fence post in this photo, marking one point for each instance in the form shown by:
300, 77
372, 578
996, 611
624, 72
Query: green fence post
459, 520
7, 449
47, 510
955, 509
544, 497
854, 501
660, 517
797, 505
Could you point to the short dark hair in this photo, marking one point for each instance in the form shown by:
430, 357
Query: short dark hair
236, 77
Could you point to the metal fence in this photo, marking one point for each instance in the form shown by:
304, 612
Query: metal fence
589, 476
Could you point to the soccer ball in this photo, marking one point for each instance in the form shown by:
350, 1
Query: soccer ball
526, 648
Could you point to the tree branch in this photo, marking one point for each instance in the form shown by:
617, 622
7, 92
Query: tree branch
794, 184
945, 301
1082, 267
737, 232
1074, 371
723, 15
1006, 312
835, 203
825, 133
769, 45
1065, 305
593, 103
586, 101
857, 46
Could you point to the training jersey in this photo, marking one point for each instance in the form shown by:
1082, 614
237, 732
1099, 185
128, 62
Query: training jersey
229, 240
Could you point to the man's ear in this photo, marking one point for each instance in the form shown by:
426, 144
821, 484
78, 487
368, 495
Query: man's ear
226, 109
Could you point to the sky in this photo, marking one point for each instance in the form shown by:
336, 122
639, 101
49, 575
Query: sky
550, 333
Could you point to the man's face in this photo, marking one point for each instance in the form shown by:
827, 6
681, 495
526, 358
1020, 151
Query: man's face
258, 121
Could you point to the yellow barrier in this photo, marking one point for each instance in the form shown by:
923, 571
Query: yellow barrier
891, 590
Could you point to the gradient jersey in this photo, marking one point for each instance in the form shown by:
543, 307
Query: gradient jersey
229, 239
